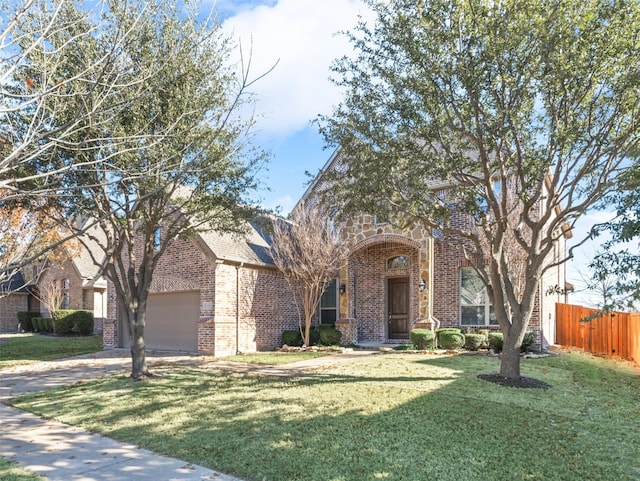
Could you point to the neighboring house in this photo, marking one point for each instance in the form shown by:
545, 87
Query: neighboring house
15, 296
76, 279
215, 294
396, 280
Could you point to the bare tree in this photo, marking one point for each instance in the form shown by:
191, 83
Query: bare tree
51, 65
309, 253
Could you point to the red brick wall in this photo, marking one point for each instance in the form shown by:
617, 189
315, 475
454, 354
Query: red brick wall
10, 305
266, 307
369, 284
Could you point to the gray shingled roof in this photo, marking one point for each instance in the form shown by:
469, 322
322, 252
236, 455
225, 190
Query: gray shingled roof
90, 251
15, 284
253, 248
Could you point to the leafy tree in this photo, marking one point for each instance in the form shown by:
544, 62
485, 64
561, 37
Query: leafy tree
496, 123
620, 258
169, 157
308, 252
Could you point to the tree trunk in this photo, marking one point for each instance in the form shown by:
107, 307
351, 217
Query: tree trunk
306, 335
135, 320
510, 357
139, 369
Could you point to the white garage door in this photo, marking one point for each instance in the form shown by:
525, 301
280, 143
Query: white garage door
172, 321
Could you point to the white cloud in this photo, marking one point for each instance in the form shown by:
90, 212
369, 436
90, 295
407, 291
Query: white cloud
300, 36
282, 205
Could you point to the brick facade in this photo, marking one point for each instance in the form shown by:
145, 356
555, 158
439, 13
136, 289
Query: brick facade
10, 305
243, 308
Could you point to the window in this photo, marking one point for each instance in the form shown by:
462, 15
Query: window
157, 237
65, 284
329, 303
475, 307
399, 262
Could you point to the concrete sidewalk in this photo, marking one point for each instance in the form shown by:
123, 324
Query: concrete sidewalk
66, 453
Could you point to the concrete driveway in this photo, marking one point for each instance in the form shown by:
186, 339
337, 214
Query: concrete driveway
66, 453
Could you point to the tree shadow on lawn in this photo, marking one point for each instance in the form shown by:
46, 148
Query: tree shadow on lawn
335, 426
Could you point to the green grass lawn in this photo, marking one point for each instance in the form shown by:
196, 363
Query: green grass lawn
273, 358
16, 349
395, 417
12, 472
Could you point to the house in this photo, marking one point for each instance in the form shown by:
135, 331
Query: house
399, 279
216, 294
15, 296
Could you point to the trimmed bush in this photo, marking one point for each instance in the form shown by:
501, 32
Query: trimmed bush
62, 322
446, 329
528, 341
47, 324
495, 341
330, 336
291, 338
451, 340
84, 322
422, 338
25, 319
325, 326
67, 321
473, 342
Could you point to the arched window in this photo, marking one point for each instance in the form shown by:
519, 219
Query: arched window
398, 262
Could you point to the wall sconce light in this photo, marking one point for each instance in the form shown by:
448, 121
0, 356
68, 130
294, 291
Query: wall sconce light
343, 288
422, 285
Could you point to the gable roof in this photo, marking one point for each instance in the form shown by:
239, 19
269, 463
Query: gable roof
14, 284
252, 248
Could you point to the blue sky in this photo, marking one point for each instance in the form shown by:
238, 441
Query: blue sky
300, 36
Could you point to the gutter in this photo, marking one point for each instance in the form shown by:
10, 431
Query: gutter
238, 267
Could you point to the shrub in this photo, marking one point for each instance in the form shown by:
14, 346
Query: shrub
314, 337
451, 340
84, 323
422, 338
47, 324
25, 319
439, 332
528, 341
330, 336
291, 338
473, 342
495, 341
67, 321
325, 326
62, 322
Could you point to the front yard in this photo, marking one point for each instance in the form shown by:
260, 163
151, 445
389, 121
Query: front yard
396, 417
18, 349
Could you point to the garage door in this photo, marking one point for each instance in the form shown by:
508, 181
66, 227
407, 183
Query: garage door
172, 321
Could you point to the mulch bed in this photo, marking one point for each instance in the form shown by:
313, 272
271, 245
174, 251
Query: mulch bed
522, 382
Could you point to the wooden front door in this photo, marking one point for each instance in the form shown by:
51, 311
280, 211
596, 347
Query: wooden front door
398, 302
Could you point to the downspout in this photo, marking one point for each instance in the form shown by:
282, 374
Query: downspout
238, 267
430, 316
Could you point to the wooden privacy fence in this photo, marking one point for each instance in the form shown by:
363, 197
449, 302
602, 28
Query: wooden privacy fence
614, 334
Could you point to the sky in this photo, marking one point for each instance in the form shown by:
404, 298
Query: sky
300, 37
